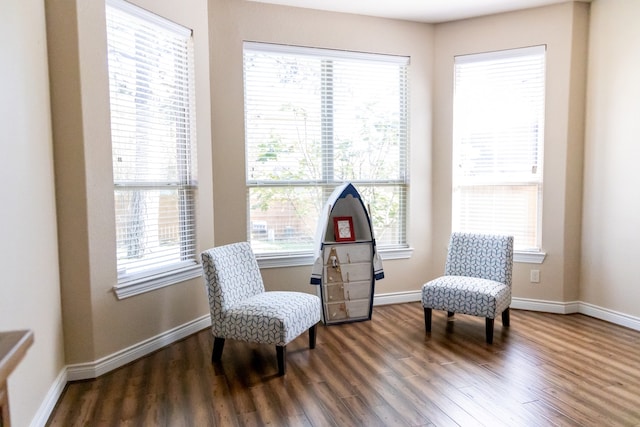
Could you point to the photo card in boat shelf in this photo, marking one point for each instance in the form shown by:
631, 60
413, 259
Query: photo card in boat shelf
343, 229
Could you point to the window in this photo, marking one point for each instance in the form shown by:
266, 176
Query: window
498, 138
152, 129
315, 119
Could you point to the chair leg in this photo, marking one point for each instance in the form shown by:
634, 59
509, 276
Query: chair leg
427, 319
218, 346
281, 352
506, 318
312, 336
489, 330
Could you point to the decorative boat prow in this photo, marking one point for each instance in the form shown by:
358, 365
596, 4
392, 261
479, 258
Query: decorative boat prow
347, 263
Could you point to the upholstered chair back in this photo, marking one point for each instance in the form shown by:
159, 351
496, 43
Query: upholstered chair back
232, 275
481, 256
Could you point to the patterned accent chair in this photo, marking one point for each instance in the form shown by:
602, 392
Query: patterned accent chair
477, 280
242, 310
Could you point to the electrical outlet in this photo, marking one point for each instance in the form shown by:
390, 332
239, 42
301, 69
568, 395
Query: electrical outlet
534, 276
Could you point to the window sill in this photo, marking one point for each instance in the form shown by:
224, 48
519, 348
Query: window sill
529, 257
525, 257
147, 284
308, 259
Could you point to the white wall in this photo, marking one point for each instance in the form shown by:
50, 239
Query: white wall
29, 288
611, 212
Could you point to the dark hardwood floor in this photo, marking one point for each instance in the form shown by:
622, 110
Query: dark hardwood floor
545, 369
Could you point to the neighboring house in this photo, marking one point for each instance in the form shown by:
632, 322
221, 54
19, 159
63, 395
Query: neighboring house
58, 240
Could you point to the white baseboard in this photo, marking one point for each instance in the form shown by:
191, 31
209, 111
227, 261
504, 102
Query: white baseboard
517, 303
587, 309
50, 400
82, 371
397, 298
546, 306
610, 316
99, 367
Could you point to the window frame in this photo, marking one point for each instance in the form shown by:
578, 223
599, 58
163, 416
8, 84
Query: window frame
184, 185
522, 254
327, 184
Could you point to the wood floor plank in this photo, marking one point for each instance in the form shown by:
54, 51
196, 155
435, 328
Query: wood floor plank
543, 370
356, 375
333, 404
268, 411
499, 406
550, 416
389, 415
281, 396
224, 410
363, 415
314, 410
431, 403
337, 375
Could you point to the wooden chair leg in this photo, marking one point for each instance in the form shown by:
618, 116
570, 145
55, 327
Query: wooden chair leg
218, 346
506, 321
489, 330
281, 352
427, 319
312, 336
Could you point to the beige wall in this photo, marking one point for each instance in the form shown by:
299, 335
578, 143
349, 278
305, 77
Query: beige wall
234, 21
29, 288
611, 215
563, 29
96, 323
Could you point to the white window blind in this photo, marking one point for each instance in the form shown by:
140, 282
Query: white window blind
498, 144
152, 128
315, 119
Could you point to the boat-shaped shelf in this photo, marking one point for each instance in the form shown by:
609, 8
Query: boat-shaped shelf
347, 265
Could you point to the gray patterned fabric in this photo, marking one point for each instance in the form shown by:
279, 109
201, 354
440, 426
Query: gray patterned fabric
477, 278
240, 307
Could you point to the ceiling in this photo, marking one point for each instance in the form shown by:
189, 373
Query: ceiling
429, 11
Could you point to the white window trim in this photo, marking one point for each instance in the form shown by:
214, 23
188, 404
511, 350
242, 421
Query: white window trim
149, 16
534, 255
137, 284
529, 257
307, 259
273, 260
149, 283
305, 50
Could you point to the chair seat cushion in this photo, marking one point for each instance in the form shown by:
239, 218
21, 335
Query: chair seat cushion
270, 317
467, 295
